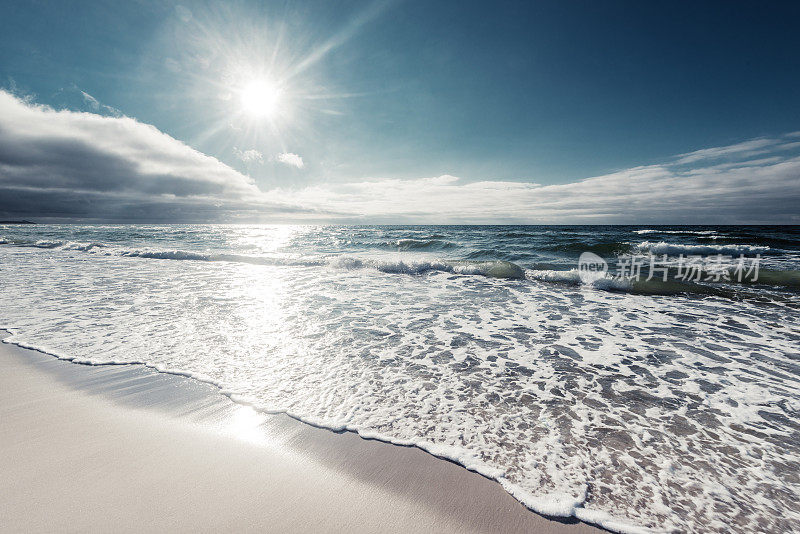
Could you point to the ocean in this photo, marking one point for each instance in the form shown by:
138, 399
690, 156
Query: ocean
632, 376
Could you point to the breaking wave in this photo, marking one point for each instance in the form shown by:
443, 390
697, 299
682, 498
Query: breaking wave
478, 262
678, 232
673, 249
490, 269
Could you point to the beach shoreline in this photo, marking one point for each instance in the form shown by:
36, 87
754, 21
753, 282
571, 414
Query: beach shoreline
125, 447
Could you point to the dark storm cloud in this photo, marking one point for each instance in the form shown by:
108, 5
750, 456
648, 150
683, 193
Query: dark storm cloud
82, 165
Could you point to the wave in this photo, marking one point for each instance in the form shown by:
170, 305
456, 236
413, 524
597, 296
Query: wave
83, 247
563, 505
673, 249
573, 277
517, 235
213, 257
49, 244
612, 248
776, 278
767, 240
729, 238
678, 232
41, 243
424, 243
490, 269
606, 282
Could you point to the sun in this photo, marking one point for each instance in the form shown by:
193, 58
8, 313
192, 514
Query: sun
260, 98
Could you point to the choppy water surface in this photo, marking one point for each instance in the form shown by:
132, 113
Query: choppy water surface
672, 408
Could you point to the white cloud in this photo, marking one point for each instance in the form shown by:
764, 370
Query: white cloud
83, 165
92, 101
747, 191
288, 158
746, 148
97, 107
248, 156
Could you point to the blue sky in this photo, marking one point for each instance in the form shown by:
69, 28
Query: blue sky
544, 93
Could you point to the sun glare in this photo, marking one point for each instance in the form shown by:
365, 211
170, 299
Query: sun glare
260, 98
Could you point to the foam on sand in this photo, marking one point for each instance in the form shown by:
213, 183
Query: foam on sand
129, 442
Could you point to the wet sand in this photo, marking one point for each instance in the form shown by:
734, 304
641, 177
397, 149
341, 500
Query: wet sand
127, 449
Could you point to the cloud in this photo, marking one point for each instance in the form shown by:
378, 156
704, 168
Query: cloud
249, 156
97, 107
747, 148
74, 98
75, 165
84, 165
288, 158
765, 190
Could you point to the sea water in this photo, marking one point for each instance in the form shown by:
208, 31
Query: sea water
634, 404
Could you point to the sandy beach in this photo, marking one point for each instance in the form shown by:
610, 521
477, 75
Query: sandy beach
399, 266
124, 448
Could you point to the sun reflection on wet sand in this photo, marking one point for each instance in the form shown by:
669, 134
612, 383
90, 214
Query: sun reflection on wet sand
246, 424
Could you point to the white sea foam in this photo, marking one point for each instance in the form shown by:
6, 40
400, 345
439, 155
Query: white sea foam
554, 504
632, 412
674, 249
679, 232
576, 277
